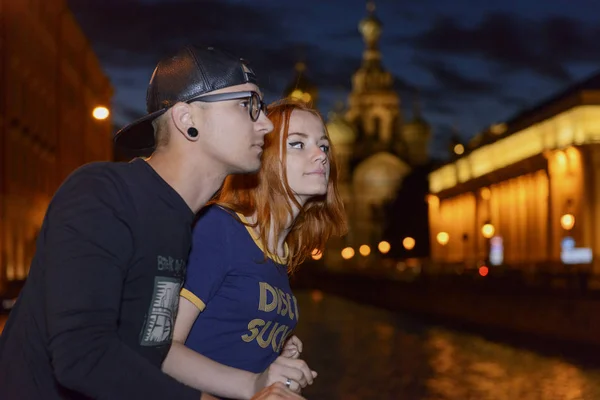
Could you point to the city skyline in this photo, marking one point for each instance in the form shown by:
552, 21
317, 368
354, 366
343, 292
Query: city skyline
474, 64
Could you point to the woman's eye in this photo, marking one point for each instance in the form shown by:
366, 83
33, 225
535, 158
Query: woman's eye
297, 145
325, 148
245, 103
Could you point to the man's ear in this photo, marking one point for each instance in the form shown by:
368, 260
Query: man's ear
181, 113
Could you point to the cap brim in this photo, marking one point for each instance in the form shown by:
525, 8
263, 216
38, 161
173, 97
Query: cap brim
138, 135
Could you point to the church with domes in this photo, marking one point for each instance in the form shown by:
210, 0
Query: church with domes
376, 149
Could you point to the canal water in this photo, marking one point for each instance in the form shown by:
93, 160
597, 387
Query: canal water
361, 352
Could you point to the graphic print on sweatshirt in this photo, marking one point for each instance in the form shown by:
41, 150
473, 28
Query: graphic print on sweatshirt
158, 329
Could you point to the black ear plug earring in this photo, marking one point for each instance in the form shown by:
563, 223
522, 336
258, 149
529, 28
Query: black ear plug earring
192, 132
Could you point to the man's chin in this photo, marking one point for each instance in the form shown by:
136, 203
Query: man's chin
249, 168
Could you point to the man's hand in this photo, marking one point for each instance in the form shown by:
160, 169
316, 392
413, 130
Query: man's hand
277, 391
292, 348
284, 368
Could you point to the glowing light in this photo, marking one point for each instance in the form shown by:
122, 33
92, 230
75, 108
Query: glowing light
364, 250
459, 149
498, 129
408, 243
100, 113
567, 221
488, 230
316, 254
316, 296
433, 200
347, 253
486, 193
300, 95
483, 270
572, 153
384, 247
561, 158
443, 238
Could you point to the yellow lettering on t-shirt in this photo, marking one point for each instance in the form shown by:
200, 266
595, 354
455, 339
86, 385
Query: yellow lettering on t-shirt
296, 307
262, 342
252, 327
288, 299
267, 334
283, 301
278, 343
263, 305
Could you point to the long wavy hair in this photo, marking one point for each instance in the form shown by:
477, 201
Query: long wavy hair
268, 194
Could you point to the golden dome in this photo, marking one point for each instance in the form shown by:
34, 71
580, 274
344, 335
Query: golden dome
341, 132
370, 26
301, 88
371, 76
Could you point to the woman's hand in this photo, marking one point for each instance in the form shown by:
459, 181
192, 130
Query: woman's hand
292, 348
293, 373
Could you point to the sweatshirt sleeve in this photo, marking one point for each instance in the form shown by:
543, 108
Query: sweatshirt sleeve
209, 258
88, 248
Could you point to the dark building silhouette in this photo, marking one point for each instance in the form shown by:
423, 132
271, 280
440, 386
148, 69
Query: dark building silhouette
51, 82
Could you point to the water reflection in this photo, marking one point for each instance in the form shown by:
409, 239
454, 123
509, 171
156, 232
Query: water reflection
465, 366
366, 353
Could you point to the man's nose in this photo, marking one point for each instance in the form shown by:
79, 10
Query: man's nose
263, 124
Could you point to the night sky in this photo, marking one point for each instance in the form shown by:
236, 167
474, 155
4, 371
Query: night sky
474, 62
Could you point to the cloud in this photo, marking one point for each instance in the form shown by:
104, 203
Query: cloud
514, 102
128, 33
432, 105
124, 114
450, 90
449, 79
346, 34
514, 43
129, 113
126, 81
131, 35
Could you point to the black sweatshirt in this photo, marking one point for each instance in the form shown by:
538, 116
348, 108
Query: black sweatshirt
95, 318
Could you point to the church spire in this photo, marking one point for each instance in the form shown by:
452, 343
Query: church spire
370, 28
301, 87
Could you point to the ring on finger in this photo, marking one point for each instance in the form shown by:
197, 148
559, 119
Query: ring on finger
288, 383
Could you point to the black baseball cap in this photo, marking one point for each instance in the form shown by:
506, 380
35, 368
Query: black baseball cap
189, 73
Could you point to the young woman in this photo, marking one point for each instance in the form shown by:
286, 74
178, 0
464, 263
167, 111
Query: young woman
237, 312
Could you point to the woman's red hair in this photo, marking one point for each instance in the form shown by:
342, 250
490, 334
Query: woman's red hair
271, 198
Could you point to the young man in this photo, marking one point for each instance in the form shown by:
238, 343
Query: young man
95, 318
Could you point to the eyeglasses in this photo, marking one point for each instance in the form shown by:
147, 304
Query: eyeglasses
255, 106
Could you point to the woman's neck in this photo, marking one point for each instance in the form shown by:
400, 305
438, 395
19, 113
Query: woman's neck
276, 242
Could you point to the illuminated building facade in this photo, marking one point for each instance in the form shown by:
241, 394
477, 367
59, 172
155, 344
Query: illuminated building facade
525, 193
51, 82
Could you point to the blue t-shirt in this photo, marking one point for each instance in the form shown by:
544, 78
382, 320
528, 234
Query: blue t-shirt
247, 307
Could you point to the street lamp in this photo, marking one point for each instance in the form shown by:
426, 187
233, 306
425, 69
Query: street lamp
488, 230
408, 243
347, 253
443, 238
486, 193
100, 113
567, 221
364, 250
384, 247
